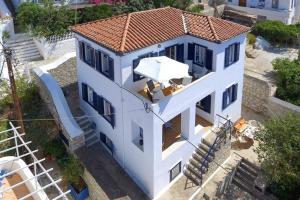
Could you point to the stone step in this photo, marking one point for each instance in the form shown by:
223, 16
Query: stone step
24, 47
91, 141
248, 169
90, 135
197, 165
29, 53
82, 118
245, 179
187, 173
30, 48
250, 164
200, 159
246, 173
89, 132
13, 45
84, 123
202, 154
31, 58
195, 173
205, 148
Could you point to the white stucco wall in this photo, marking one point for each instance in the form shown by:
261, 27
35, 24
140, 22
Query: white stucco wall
10, 163
57, 49
6, 21
150, 168
284, 13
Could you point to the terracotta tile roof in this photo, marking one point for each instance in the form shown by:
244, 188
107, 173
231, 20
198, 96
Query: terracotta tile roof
141, 29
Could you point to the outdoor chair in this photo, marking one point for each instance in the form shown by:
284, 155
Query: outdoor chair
150, 85
149, 95
187, 80
157, 94
199, 71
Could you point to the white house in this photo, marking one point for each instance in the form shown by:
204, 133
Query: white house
152, 140
286, 11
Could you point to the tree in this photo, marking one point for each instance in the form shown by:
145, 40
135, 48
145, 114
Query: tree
133, 6
288, 79
45, 21
95, 12
279, 152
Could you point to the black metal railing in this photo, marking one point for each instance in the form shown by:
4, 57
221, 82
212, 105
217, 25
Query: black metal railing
221, 136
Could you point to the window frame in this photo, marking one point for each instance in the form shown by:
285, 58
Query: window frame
90, 95
87, 52
107, 110
137, 77
204, 52
172, 177
231, 91
169, 50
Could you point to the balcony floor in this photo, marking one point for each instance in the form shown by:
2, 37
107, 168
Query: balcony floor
17, 192
172, 135
203, 122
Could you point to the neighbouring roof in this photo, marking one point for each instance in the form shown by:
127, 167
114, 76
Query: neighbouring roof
137, 30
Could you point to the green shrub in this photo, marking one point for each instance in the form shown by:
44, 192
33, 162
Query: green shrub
72, 169
196, 8
55, 148
277, 32
251, 38
288, 79
95, 12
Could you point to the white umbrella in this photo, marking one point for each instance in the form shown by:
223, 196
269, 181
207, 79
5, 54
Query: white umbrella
161, 69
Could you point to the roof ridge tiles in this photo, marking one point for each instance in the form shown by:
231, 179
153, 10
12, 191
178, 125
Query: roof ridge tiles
212, 28
122, 47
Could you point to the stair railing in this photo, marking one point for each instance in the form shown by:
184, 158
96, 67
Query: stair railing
220, 137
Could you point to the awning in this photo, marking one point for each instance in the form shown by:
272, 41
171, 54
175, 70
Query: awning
161, 69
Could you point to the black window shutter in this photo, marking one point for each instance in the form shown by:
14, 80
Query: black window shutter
237, 52
191, 51
180, 53
112, 116
92, 57
209, 59
84, 92
135, 63
224, 104
81, 50
100, 105
98, 60
111, 68
234, 92
227, 56
207, 103
103, 137
162, 53
95, 99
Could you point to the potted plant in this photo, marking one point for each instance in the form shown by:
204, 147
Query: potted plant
72, 173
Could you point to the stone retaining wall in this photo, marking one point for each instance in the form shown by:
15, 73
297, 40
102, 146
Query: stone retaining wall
258, 95
74, 143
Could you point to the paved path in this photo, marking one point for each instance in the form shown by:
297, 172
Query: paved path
113, 180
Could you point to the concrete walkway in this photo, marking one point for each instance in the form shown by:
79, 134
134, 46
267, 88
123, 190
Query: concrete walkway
112, 179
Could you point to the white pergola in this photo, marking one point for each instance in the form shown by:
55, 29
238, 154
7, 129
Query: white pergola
36, 163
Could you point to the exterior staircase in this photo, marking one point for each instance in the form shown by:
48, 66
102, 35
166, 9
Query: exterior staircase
245, 176
89, 129
24, 49
204, 154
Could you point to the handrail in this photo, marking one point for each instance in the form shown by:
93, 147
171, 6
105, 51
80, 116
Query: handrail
213, 145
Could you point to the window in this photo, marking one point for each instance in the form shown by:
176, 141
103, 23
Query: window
137, 77
200, 55
104, 107
89, 55
137, 135
229, 96
90, 96
171, 52
107, 111
175, 171
205, 104
275, 4
106, 141
232, 54
105, 65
